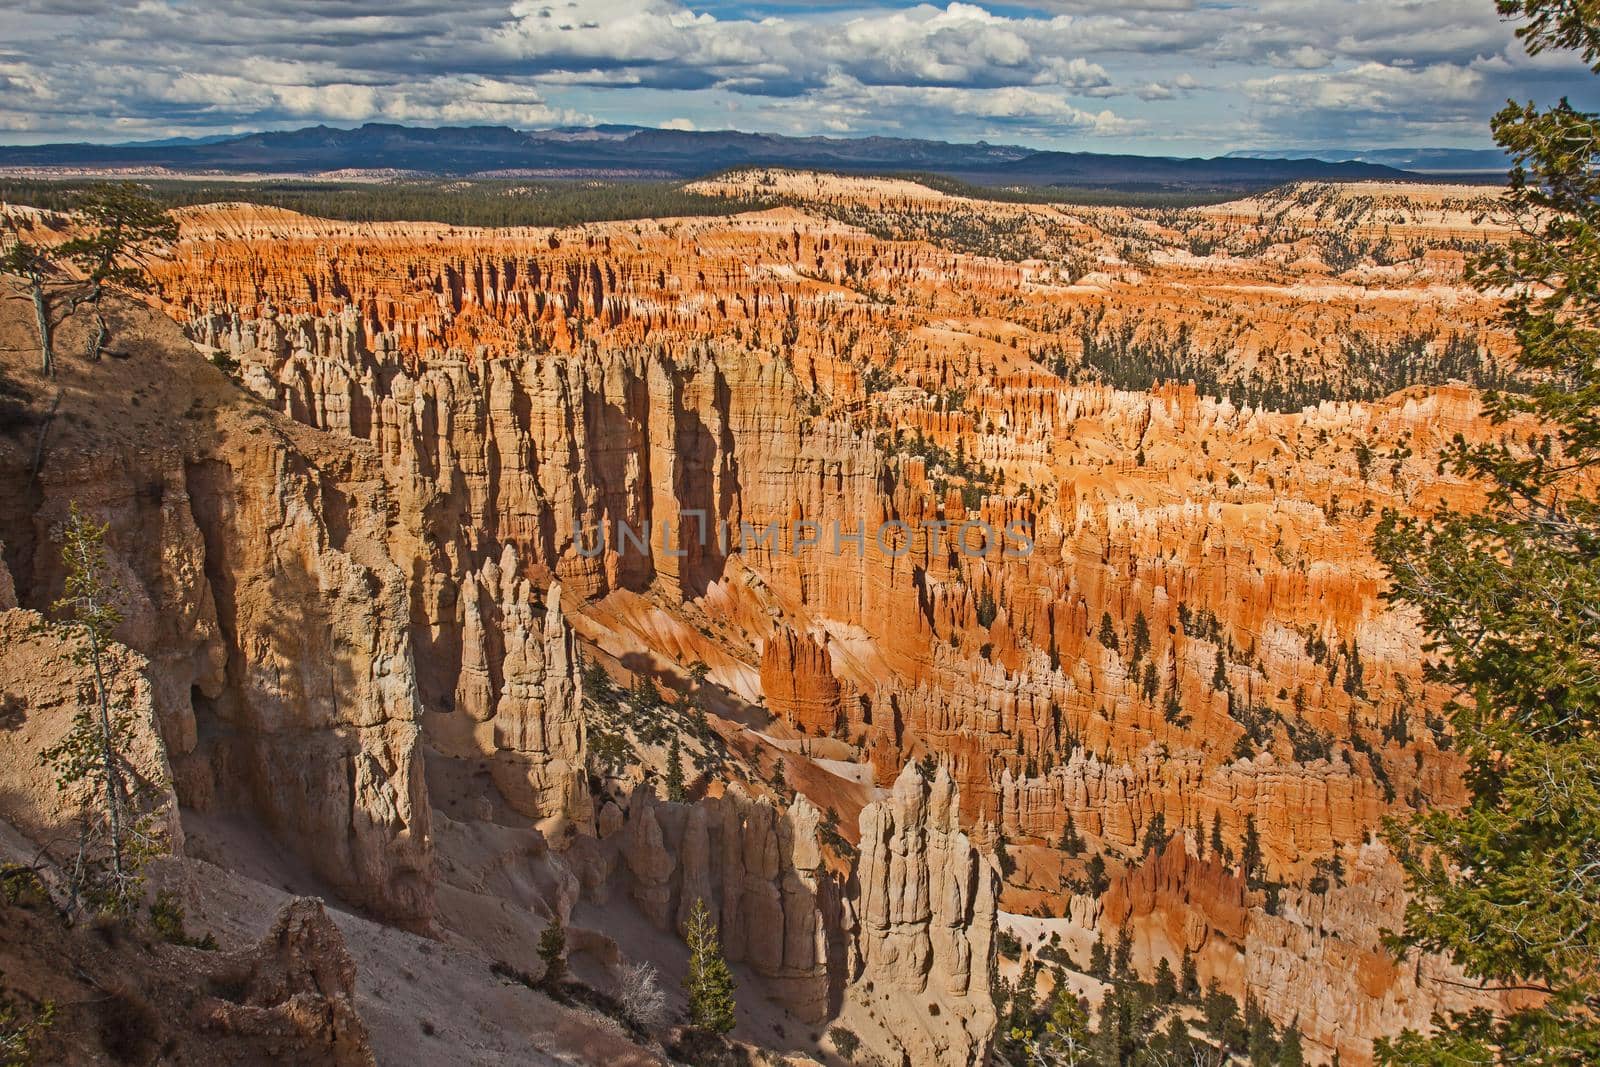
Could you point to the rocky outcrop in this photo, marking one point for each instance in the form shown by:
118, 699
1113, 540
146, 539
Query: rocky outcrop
317, 728
292, 996
518, 698
773, 885
926, 906
1313, 955
45, 680
649, 861
702, 392
250, 561
8, 589
798, 681
762, 874
886, 354
914, 927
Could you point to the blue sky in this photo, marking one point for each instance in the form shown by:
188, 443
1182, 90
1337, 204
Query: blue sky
1158, 76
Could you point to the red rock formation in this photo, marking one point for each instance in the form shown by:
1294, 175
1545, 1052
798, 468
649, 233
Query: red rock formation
1313, 956
519, 391
797, 679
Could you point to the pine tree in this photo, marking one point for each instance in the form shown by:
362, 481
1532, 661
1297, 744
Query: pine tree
1020, 1017
1118, 1038
1099, 960
1155, 835
1262, 1039
1250, 852
553, 951
1222, 1018
1108, 632
124, 227
1166, 982
1122, 955
1188, 977
1141, 636
675, 790
1291, 1053
94, 748
1507, 885
1067, 1030
1216, 835
1099, 881
709, 982
32, 264
1071, 843
1002, 856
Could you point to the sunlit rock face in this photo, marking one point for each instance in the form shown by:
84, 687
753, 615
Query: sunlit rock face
1129, 603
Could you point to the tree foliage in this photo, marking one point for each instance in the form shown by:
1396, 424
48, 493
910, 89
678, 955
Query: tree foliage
123, 227
553, 951
1509, 886
675, 787
709, 982
23, 1022
94, 750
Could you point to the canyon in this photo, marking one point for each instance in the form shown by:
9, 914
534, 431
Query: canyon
937, 531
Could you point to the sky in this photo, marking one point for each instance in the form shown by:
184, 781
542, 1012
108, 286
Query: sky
1153, 76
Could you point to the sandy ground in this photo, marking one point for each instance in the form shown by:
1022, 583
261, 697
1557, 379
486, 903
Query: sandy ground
425, 1001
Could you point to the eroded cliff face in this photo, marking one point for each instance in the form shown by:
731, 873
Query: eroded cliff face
519, 697
900, 945
926, 909
250, 567
626, 431
1239, 538
761, 872
1312, 956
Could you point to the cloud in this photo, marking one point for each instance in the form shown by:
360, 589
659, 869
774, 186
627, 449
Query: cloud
1183, 70
1442, 98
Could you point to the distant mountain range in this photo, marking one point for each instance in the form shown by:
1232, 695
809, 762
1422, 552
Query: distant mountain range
1420, 160
641, 152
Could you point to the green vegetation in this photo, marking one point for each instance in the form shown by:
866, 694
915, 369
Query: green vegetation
1080, 196
167, 919
1507, 886
122, 229
459, 203
675, 789
1140, 1024
22, 1023
119, 229
1139, 356
621, 721
709, 982
113, 838
553, 951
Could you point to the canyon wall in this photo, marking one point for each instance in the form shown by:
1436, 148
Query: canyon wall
250, 568
760, 871
906, 940
927, 920
1097, 596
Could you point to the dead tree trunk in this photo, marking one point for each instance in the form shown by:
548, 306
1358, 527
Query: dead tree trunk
41, 314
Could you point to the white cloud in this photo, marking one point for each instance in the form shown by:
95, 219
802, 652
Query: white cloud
1238, 69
